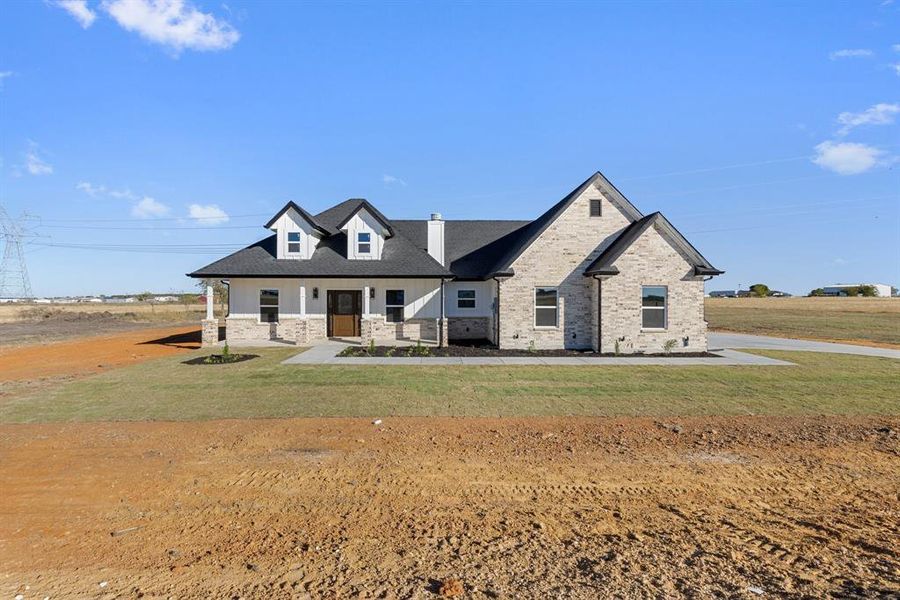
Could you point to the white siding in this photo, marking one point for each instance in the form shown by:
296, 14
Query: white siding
484, 298
422, 296
363, 222
291, 221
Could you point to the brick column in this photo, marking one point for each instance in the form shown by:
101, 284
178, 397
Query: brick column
210, 335
301, 333
367, 330
442, 332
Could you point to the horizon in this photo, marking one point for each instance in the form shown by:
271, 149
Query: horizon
767, 134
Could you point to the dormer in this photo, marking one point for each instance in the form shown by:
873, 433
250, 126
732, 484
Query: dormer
297, 233
366, 230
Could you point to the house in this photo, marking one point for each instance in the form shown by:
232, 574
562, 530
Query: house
591, 272
840, 289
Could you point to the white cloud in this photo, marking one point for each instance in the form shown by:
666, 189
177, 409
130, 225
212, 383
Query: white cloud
896, 67
175, 24
840, 261
390, 180
34, 164
4, 75
896, 47
208, 215
851, 53
149, 208
879, 114
101, 190
846, 158
79, 11
90, 189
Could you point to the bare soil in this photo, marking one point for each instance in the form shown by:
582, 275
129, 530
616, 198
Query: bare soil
88, 355
509, 508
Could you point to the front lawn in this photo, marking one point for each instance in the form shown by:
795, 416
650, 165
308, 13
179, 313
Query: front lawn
166, 389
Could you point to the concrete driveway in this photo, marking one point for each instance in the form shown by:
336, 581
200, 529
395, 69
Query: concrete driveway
718, 340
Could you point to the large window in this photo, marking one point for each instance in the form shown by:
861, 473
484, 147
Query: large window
465, 298
363, 243
653, 306
393, 306
268, 306
294, 242
546, 310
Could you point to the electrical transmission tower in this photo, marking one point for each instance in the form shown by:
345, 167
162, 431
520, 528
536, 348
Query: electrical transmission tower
14, 282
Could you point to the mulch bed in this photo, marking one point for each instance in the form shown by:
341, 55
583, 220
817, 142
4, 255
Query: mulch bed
455, 350
219, 359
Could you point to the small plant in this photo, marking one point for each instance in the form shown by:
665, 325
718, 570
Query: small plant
616, 350
531, 347
669, 346
390, 351
372, 346
226, 351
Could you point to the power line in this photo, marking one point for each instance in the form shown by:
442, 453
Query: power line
14, 280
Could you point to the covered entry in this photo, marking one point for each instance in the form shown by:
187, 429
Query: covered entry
344, 313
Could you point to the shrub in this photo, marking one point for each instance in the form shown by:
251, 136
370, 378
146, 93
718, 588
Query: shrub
371, 346
869, 291
760, 290
816, 292
669, 346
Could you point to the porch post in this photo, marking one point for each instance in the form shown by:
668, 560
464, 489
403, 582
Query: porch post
366, 301
209, 302
209, 334
302, 301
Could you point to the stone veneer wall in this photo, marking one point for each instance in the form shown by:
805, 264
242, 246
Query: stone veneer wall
651, 260
558, 259
251, 330
469, 328
412, 329
210, 332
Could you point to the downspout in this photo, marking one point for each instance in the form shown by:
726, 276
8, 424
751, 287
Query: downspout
441, 341
599, 312
497, 315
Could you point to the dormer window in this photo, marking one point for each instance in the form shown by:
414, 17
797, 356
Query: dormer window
293, 242
363, 243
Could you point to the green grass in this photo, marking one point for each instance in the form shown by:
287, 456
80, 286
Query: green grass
165, 389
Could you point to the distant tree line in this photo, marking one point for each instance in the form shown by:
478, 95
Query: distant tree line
868, 291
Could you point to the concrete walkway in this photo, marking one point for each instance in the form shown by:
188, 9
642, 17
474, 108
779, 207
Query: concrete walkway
762, 342
326, 354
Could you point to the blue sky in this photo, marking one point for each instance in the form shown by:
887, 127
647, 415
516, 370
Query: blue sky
767, 133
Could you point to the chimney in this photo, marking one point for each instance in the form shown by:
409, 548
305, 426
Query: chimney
436, 237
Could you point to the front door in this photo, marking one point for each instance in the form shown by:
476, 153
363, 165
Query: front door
344, 313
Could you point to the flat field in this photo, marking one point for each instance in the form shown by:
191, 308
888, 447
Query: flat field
867, 321
151, 478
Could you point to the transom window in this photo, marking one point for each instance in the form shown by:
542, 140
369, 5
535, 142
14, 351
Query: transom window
465, 298
546, 307
393, 305
294, 242
268, 306
363, 243
654, 299
596, 208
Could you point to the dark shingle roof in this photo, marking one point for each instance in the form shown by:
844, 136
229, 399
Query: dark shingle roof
399, 258
309, 218
474, 249
604, 264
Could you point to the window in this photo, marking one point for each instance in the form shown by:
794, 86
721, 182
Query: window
596, 208
363, 243
465, 298
294, 242
653, 307
268, 306
393, 306
545, 307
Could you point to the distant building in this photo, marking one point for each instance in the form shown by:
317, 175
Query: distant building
724, 294
840, 289
165, 299
779, 294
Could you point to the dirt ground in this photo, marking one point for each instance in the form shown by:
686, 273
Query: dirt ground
87, 355
512, 508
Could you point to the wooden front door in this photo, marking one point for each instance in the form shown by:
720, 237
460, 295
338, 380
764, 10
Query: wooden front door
344, 313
